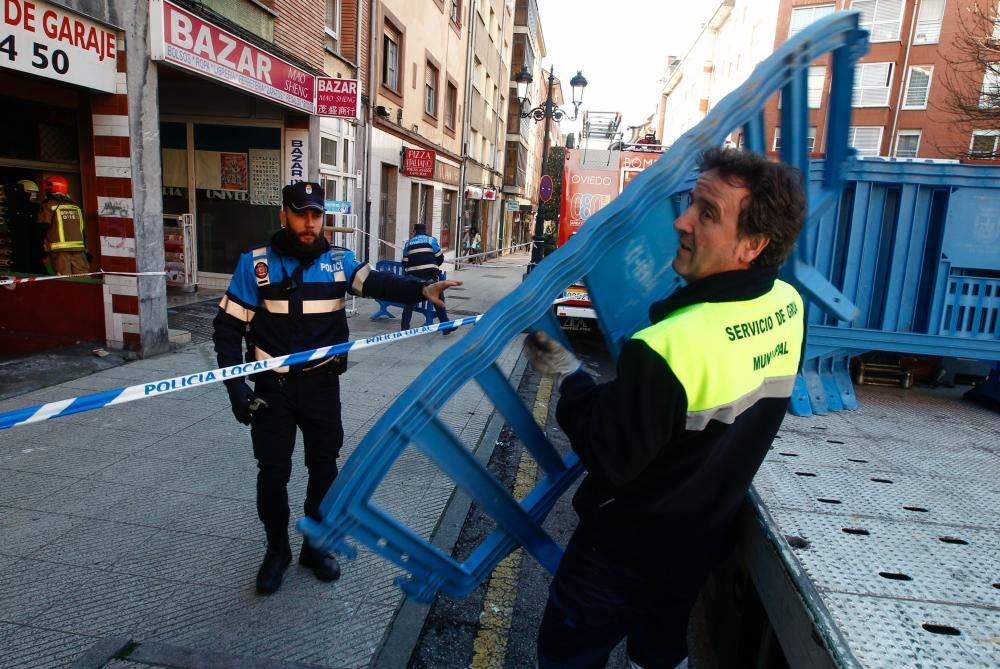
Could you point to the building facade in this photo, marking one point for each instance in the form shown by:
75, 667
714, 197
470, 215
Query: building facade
487, 96
738, 35
417, 82
523, 150
907, 85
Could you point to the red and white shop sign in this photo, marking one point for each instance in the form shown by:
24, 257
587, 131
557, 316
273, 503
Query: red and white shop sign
180, 38
418, 163
52, 42
337, 97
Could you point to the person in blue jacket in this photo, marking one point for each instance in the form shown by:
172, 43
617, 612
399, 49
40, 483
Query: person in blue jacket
422, 258
287, 296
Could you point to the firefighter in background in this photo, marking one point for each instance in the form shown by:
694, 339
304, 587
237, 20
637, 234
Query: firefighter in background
65, 243
21, 214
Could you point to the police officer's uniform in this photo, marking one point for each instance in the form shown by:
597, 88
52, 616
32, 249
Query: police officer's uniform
422, 258
670, 447
283, 300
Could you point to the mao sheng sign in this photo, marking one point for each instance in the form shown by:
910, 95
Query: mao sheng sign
418, 163
180, 38
52, 42
337, 97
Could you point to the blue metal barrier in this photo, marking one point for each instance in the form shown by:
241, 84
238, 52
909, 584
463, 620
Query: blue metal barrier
623, 255
425, 307
916, 246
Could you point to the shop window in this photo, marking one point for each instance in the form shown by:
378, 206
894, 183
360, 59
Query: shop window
447, 216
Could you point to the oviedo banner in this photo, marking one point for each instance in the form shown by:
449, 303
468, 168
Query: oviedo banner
590, 185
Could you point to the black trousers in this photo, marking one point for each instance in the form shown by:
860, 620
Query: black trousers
308, 402
595, 601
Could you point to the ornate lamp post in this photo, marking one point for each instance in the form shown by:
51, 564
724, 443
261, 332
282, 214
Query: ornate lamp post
549, 112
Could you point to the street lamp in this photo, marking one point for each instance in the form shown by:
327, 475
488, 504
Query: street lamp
548, 112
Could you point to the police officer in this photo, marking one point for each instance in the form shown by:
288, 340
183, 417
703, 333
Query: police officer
62, 218
288, 296
672, 444
422, 258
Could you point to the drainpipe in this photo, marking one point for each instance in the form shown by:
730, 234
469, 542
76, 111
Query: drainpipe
369, 123
902, 78
496, 130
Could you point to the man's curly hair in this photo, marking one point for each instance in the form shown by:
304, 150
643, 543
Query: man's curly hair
777, 204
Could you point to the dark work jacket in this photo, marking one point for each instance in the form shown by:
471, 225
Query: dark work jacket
655, 492
291, 302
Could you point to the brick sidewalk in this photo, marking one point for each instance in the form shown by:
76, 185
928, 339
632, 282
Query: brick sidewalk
138, 522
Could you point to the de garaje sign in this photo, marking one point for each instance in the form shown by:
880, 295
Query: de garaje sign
50, 41
180, 38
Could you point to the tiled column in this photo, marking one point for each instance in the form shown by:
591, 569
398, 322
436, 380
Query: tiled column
113, 170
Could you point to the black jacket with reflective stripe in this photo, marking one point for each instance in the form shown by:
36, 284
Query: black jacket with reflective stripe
656, 492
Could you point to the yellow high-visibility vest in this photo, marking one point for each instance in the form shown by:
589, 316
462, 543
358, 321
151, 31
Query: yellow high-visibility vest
67, 232
729, 355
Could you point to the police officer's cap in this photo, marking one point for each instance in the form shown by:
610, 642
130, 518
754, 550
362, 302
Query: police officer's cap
303, 195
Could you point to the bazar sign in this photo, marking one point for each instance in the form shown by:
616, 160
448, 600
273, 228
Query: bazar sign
418, 163
183, 39
49, 41
337, 97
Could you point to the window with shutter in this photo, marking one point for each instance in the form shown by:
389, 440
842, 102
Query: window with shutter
866, 140
984, 144
871, 85
918, 86
817, 75
810, 139
929, 22
803, 16
881, 18
989, 98
907, 143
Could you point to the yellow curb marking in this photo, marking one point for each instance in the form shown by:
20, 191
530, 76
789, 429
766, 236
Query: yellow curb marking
490, 645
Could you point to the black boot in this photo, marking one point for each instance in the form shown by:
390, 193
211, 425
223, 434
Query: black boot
325, 567
276, 561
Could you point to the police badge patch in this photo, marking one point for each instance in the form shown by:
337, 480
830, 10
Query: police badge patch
260, 269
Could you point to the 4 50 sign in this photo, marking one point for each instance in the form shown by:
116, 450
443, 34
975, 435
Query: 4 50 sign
41, 59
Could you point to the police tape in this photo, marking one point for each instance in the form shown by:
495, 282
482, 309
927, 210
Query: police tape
43, 412
10, 281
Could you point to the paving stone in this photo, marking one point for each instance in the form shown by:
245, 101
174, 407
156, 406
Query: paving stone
24, 532
29, 647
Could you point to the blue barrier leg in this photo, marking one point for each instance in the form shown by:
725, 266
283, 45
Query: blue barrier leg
845, 387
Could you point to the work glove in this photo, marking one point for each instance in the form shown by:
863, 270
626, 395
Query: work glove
243, 400
549, 356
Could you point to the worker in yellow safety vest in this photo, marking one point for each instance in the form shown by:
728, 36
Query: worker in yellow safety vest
65, 242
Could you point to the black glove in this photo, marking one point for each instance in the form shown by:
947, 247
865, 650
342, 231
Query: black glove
243, 400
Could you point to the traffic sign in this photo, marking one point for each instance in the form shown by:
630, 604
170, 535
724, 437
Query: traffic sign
545, 188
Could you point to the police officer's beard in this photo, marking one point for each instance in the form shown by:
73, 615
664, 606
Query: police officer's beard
291, 244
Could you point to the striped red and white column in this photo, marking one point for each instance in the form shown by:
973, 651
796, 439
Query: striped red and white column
116, 224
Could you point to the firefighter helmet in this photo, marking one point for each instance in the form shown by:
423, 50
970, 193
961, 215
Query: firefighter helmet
56, 185
28, 186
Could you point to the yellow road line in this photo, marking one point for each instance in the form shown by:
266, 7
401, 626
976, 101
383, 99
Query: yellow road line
490, 645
